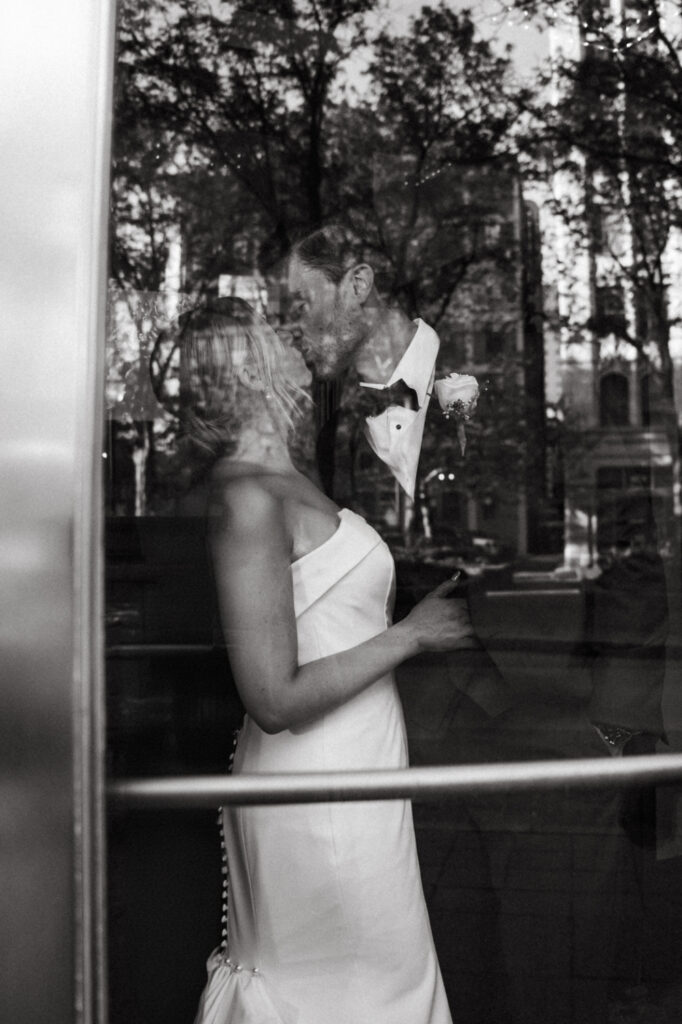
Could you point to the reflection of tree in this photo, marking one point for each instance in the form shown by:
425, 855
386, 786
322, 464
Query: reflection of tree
439, 134
138, 427
613, 141
245, 112
237, 128
232, 107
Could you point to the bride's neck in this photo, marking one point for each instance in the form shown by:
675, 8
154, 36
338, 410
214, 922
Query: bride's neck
263, 447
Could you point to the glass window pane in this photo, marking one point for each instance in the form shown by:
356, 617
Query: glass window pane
615, 400
538, 254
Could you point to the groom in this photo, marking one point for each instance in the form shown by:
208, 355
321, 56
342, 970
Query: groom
385, 364
346, 331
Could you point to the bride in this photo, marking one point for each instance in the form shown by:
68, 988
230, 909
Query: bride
327, 922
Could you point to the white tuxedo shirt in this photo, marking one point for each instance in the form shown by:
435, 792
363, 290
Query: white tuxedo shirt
396, 434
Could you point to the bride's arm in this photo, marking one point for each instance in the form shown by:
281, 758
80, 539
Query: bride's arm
252, 555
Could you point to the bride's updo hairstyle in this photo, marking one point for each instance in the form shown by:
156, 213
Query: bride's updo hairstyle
225, 356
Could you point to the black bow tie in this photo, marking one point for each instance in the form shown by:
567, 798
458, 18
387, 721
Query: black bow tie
375, 400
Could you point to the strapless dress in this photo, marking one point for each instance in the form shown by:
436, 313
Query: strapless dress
327, 921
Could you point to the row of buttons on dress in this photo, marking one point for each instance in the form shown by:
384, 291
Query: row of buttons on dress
227, 962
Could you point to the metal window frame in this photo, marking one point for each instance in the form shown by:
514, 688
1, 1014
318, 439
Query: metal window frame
56, 84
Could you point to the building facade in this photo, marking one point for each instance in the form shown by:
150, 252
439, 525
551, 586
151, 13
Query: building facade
605, 343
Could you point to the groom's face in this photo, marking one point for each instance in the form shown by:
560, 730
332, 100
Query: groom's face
328, 318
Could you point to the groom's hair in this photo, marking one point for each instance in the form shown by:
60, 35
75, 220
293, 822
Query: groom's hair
330, 249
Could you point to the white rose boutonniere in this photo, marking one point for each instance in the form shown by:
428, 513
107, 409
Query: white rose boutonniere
457, 395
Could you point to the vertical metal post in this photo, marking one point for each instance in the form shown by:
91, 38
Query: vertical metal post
56, 65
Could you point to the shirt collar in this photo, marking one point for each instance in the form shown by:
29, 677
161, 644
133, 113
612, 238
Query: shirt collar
417, 364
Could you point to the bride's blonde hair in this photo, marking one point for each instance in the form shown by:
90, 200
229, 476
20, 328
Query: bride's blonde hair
227, 352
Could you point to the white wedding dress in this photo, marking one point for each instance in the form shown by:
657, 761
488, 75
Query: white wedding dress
327, 919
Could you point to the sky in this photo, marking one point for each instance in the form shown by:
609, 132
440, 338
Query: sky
493, 22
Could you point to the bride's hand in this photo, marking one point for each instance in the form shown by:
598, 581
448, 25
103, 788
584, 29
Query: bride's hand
440, 622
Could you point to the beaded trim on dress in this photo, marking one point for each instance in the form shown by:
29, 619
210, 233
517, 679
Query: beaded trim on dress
225, 869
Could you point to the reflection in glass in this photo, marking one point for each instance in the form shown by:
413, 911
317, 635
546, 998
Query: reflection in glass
543, 250
614, 400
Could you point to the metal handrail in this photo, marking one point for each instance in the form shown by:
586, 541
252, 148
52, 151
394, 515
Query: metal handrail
531, 645
147, 650
415, 783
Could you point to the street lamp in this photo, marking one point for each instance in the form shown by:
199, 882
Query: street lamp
439, 474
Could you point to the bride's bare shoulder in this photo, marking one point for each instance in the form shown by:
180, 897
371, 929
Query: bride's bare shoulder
236, 490
249, 499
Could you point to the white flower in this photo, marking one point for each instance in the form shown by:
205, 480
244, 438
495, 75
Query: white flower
457, 388
457, 395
